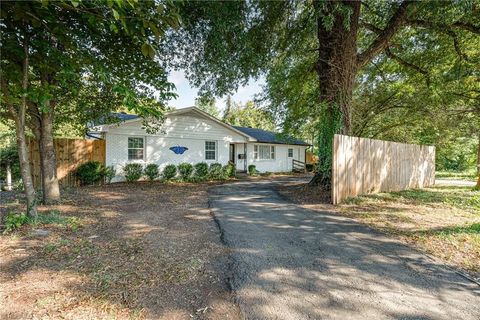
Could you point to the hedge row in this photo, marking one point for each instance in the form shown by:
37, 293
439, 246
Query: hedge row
185, 171
94, 172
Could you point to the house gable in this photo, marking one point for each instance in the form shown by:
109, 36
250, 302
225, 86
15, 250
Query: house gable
186, 123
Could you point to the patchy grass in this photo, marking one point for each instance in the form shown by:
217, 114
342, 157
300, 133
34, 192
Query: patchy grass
122, 251
443, 221
456, 175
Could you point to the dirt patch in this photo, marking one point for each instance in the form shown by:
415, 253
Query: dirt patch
302, 193
442, 221
144, 250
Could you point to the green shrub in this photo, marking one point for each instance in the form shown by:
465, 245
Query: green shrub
90, 172
109, 173
252, 170
185, 170
169, 172
14, 221
133, 171
201, 170
229, 170
215, 171
151, 171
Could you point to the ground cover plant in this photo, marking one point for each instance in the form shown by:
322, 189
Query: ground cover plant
104, 253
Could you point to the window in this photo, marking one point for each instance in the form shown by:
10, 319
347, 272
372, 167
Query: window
135, 148
210, 150
264, 152
290, 153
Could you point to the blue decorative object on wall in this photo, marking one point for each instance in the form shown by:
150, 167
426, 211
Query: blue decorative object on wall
178, 149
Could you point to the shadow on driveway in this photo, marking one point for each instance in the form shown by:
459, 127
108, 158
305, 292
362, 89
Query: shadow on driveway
288, 262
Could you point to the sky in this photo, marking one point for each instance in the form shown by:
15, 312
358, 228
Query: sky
187, 94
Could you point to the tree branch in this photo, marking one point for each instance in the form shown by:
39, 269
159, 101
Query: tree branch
407, 64
381, 42
443, 26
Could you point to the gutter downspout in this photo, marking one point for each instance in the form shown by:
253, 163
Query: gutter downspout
245, 160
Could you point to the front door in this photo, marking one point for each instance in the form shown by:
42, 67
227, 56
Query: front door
232, 153
289, 159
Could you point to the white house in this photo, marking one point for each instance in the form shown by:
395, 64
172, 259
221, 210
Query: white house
191, 135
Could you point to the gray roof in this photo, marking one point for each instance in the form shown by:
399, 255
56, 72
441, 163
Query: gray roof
270, 137
259, 134
113, 117
124, 116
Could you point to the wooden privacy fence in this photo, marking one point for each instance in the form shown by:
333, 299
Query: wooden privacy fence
362, 166
70, 154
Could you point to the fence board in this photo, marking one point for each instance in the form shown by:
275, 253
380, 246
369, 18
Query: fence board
70, 154
362, 166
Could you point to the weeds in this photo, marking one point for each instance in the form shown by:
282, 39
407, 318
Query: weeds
14, 221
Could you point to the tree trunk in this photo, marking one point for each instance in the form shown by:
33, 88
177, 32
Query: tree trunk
21, 140
25, 165
336, 70
478, 163
8, 168
51, 190
35, 128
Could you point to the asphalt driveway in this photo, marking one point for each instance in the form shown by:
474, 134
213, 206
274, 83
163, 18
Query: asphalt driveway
292, 263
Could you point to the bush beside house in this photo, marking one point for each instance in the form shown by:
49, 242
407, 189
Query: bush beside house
90, 172
133, 171
151, 171
201, 170
169, 172
185, 170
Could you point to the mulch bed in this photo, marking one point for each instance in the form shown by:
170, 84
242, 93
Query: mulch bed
143, 250
302, 193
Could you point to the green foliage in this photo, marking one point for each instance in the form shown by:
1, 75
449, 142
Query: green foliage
215, 171
229, 170
90, 172
151, 171
14, 221
133, 171
109, 172
252, 170
457, 175
90, 58
208, 105
422, 87
201, 170
249, 115
185, 170
8, 151
169, 172
332, 126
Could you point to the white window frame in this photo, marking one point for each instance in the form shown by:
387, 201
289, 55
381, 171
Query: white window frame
215, 150
143, 148
290, 155
259, 155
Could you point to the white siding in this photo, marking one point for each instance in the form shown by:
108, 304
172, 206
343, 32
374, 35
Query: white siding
191, 131
281, 163
187, 131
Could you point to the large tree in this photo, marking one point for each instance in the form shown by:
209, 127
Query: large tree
225, 44
249, 115
78, 52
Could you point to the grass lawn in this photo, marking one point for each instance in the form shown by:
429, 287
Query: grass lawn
121, 251
442, 221
457, 175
